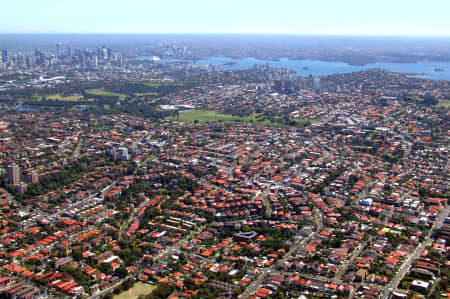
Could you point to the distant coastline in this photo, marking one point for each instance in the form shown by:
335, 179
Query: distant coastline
305, 67
353, 50
348, 59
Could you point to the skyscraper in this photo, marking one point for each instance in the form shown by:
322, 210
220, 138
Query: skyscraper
41, 58
83, 59
13, 174
105, 53
95, 61
4, 56
69, 51
29, 61
316, 83
57, 50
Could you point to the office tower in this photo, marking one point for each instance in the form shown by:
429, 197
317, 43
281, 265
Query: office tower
41, 59
316, 83
13, 174
95, 61
83, 59
104, 53
277, 85
109, 53
21, 60
282, 85
69, 51
57, 50
33, 177
29, 61
4, 56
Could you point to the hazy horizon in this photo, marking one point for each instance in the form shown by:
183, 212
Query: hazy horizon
328, 17
17, 41
403, 36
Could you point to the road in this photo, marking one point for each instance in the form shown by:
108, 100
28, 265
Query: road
76, 151
350, 261
266, 203
175, 248
253, 287
404, 268
106, 291
131, 217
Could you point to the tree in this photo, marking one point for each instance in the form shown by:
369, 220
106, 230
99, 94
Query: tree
108, 296
77, 255
122, 271
352, 179
105, 268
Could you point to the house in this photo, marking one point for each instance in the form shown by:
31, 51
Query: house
62, 262
360, 275
5, 281
245, 236
101, 257
420, 285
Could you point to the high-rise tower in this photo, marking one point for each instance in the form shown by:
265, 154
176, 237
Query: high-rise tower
13, 174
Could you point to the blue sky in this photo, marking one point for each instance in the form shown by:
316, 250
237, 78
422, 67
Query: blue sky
343, 17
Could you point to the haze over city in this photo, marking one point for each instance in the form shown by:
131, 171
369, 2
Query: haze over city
346, 17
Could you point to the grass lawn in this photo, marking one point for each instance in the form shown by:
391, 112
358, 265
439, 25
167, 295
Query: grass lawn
77, 107
137, 290
153, 84
152, 94
209, 116
102, 92
212, 116
60, 97
443, 103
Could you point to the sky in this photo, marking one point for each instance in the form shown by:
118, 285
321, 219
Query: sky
333, 17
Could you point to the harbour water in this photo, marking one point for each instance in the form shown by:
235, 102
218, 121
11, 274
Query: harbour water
320, 68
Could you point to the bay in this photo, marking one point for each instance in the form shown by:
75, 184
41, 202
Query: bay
320, 68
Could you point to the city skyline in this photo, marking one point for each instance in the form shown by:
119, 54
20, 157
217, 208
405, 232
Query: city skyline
349, 17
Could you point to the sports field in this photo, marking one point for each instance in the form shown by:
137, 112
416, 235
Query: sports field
203, 116
139, 288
